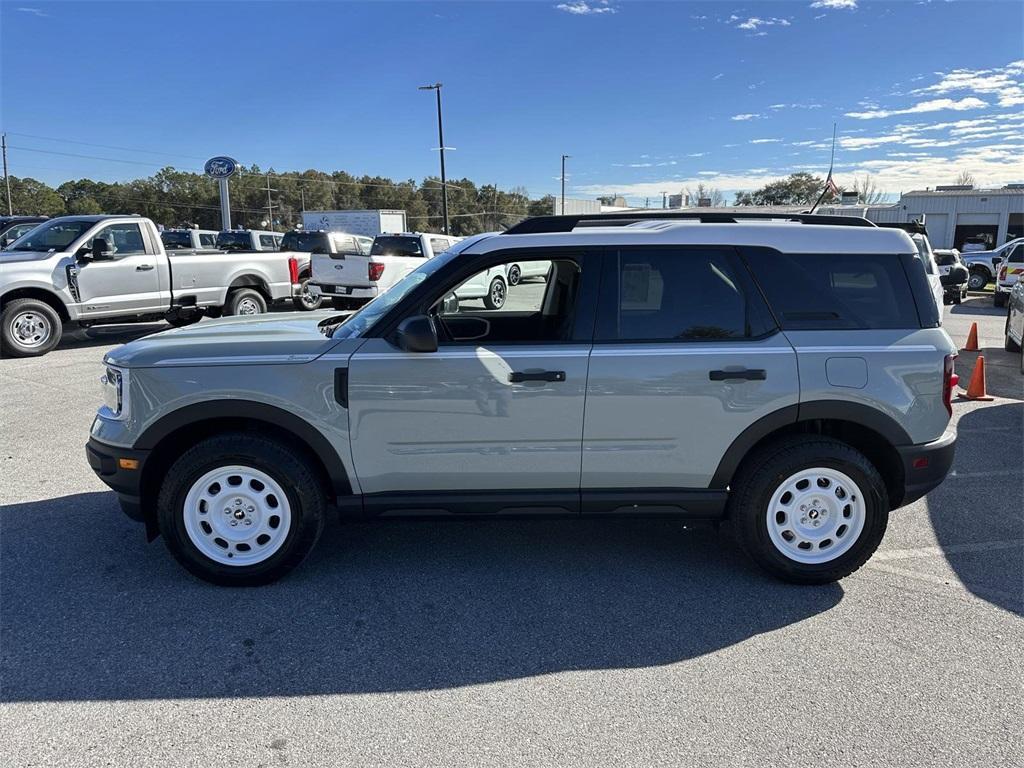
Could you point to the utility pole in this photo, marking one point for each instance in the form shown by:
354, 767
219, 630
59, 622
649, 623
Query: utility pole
7, 179
664, 199
270, 205
302, 194
564, 158
440, 140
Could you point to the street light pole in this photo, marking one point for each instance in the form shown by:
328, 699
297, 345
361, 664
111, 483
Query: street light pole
440, 140
563, 182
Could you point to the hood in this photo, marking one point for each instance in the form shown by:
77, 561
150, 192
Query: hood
271, 339
11, 257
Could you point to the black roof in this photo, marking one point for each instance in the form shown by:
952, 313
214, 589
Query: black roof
542, 224
19, 219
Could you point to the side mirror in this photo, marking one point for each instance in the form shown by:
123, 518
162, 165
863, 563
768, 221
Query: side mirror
450, 304
417, 334
100, 249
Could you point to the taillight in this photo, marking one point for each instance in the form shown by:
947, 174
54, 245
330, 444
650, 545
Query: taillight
949, 380
376, 269
293, 269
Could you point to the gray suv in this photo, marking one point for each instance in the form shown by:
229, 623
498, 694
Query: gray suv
787, 373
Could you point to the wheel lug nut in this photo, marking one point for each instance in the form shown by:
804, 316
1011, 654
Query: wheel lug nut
234, 522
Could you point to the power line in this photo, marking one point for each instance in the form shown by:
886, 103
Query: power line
102, 146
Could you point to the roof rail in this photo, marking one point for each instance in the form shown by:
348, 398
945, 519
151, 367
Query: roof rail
910, 227
542, 224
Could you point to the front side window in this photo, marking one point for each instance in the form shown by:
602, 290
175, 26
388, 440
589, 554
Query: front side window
122, 239
677, 294
835, 291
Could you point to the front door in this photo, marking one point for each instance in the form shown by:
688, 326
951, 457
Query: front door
495, 413
127, 283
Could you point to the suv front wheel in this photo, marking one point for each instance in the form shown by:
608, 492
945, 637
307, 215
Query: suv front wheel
240, 509
809, 510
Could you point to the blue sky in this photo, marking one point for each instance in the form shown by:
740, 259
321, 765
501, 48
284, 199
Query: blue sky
646, 97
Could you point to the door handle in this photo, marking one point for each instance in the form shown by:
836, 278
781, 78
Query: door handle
750, 374
143, 267
518, 377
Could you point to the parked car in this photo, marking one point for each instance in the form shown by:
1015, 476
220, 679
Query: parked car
953, 274
189, 239
249, 240
13, 227
362, 277
328, 256
1008, 271
101, 269
1014, 333
983, 264
802, 391
530, 269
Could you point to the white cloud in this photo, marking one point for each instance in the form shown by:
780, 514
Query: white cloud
746, 116
847, 5
765, 141
719, 76
1001, 82
35, 12
583, 8
698, 154
934, 105
777, 107
753, 23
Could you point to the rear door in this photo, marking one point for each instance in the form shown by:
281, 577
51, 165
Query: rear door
686, 357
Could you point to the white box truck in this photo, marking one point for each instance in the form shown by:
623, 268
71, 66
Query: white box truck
358, 222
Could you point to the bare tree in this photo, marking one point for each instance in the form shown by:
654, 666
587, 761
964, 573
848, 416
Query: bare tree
867, 190
965, 179
704, 192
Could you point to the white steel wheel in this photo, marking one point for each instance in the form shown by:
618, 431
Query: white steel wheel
248, 306
237, 515
31, 329
816, 515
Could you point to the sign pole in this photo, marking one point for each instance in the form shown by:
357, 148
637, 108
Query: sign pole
225, 205
222, 168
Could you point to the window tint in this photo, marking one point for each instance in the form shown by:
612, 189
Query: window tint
267, 241
395, 245
344, 244
174, 240
1017, 254
835, 291
678, 294
234, 241
122, 239
208, 240
52, 236
945, 258
439, 245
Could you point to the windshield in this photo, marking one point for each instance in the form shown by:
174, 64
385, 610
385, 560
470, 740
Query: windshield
54, 235
391, 245
306, 242
372, 312
945, 258
176, 239
234, 241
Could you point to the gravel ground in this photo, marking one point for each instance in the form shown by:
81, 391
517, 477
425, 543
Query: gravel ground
505, 643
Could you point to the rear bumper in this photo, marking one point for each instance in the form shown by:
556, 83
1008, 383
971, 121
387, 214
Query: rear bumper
343, 292
126, 483
925, 466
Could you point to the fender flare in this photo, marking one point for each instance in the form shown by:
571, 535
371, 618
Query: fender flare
251, 410
836, 410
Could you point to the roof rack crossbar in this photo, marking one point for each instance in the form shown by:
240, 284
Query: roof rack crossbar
545, 224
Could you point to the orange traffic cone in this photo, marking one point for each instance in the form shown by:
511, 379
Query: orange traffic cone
976, 389
972, 339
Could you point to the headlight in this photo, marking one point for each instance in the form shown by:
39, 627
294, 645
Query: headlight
114, 385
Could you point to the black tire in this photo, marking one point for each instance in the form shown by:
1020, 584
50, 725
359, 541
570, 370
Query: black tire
978, 279
25, 320
1009, 344
497, 292
998, 299
245, 301
288, 467
305, 301
961, 294
515, 275
759, 478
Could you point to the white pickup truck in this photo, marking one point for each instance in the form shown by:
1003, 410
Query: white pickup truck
88, 270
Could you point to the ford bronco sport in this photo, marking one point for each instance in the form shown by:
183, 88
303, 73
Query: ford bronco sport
784, 372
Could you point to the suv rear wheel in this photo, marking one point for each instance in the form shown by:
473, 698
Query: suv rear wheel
496, 293
240, 509
809, 510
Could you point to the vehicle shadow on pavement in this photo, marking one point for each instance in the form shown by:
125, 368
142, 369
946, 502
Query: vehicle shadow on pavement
984, 542
106, 335
90, 612
977, 305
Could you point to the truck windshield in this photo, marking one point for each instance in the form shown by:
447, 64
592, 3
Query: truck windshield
945, 258
391, 245
234, 241
306, 242
55, 235
176, 239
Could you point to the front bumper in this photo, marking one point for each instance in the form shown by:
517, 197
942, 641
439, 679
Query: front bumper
105, 461
925, 466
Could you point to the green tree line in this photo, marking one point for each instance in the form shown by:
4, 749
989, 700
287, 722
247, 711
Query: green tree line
180, 198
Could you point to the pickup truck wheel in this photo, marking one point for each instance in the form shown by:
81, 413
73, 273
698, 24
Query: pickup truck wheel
977, 280
306, 301
29, 328
809, 510
240, 510
245, 301
496, 293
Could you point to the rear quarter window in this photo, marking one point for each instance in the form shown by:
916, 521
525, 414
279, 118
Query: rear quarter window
835, 291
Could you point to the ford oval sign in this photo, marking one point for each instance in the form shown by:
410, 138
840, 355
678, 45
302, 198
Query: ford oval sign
220, 167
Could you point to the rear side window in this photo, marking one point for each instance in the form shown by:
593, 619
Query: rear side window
268, 242
835, 291
208, 240
394, 245
678, 294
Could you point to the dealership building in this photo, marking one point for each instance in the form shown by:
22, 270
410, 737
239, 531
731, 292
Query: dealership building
953, 215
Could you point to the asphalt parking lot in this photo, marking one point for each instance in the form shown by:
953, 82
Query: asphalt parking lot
506, 643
